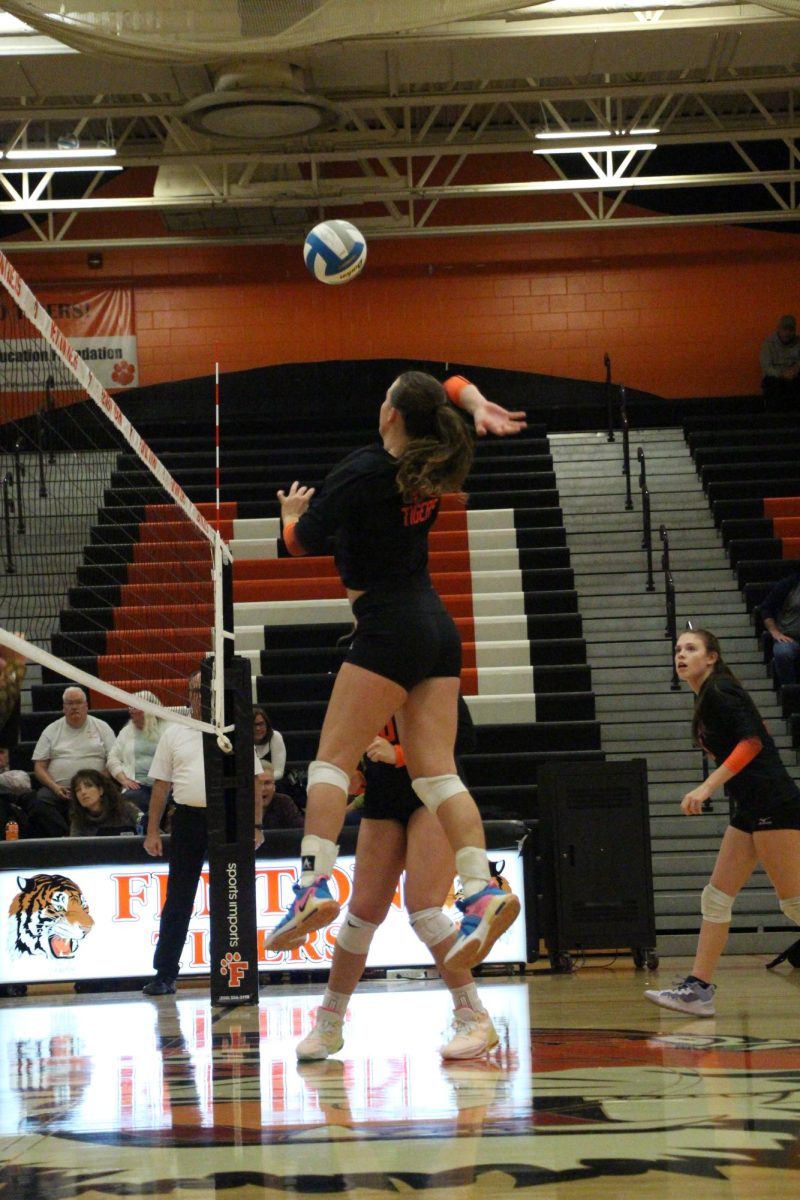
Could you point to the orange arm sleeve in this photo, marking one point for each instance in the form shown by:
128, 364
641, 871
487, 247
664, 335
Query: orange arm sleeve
291, 542
742, 754
454, 386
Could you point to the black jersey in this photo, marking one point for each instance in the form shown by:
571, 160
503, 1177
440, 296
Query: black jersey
380, 540
728, 716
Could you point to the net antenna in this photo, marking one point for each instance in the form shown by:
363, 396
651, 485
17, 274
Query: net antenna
153, 576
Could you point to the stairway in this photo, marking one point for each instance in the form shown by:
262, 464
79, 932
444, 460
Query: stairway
630, 659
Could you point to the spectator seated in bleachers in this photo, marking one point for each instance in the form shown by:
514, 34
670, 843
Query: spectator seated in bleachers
780, 612
280, 811
132, 753
96, 806
15, 795
75, 742
780, 365
269, 744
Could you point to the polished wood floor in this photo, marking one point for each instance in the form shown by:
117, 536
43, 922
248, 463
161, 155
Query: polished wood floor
592, 1092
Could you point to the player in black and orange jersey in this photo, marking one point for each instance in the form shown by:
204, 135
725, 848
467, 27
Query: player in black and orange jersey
405, 658
397, 832
765, 821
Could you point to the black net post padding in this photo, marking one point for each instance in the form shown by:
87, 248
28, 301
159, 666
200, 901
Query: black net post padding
231, 841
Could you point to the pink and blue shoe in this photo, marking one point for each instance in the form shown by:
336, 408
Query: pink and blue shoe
487, 915
313, 908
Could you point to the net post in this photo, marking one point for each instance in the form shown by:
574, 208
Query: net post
231, 840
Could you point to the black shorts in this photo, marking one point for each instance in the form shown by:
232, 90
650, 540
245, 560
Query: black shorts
389, 795
406, 636
782, 816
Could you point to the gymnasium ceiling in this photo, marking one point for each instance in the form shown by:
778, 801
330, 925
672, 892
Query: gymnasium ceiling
409, 128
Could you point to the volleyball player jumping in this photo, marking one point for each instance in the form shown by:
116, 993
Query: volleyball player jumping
379, 504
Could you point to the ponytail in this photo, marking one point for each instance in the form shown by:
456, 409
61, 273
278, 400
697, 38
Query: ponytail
440, 448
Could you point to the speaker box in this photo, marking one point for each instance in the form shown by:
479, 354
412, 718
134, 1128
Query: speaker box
595, 863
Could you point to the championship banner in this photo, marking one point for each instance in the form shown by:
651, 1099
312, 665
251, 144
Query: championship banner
100, 328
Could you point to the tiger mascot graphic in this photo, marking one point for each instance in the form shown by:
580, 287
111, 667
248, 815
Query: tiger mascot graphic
48, 916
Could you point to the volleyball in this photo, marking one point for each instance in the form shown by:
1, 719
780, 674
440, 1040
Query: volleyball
335, 252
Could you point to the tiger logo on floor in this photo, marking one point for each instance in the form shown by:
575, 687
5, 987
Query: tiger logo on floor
49, 916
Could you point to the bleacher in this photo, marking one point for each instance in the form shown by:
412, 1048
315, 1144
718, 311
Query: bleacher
501, 565
750, 470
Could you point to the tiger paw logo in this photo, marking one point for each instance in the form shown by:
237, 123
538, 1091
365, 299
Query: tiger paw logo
49, 916
123, 373
235, 967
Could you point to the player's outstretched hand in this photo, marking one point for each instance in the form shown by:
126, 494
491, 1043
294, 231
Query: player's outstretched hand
493, 418
488, 416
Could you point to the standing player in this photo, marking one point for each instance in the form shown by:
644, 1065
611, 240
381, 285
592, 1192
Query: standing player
405, 657
765, 824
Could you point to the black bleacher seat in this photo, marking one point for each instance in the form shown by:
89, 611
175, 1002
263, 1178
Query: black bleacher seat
760, 549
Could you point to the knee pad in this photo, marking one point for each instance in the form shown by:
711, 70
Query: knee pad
716, 906
325, 772
355, 935
433, 790
431, 925
791, 909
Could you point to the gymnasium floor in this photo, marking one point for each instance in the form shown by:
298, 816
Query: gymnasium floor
591, 1093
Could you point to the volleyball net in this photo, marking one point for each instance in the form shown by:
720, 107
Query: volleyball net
110, 576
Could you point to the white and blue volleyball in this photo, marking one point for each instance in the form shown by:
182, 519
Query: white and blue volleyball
335, 252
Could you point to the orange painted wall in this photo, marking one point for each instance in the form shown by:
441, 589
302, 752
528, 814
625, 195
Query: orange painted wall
681, 311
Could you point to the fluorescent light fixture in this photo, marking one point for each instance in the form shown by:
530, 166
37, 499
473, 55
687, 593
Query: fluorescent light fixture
620, 148
563, 134
94, 152
55, 168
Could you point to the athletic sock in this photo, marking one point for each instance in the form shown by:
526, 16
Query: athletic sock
696, 979
318, 857
335, 1002
473, 870
467, 997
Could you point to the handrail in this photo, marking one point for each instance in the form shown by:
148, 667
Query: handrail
8, 508
40, 439
647, 536
19, 475
626, 448
669, 591
609, 398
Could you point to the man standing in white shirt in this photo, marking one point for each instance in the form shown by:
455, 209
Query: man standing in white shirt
178, 764
76, 742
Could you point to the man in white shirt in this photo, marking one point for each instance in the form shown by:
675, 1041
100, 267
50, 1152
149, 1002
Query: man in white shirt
178, 764
76, 742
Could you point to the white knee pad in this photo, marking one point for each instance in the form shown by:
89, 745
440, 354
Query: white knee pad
791, 909
355, 935
431, 925
433, 790
716, 906
325, 772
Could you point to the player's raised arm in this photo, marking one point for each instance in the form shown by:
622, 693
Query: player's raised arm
487, 416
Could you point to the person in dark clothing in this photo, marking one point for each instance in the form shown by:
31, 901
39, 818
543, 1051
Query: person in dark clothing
405, 657
279, 810
765, 822
780, 365
780, 612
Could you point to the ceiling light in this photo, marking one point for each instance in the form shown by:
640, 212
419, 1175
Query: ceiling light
47, 152
619, 148
563, 134
56, 167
